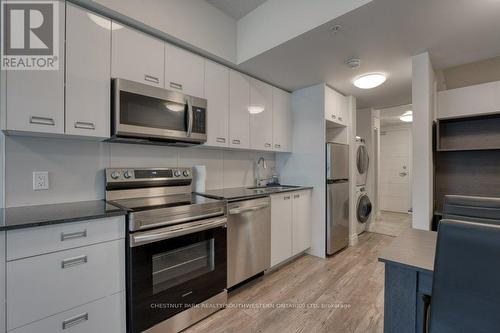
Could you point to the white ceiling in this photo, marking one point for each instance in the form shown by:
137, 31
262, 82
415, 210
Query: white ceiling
384, 34
236, 8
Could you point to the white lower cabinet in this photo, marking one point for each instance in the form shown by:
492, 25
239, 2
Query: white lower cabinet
48, 284
104, 315
290, 224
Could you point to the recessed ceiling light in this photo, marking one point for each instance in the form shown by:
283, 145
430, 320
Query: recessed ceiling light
369, 81
407, 117
255, 109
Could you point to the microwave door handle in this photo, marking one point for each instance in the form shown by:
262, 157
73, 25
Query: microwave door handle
190, 117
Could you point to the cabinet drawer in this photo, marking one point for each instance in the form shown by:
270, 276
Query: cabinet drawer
48, 284
105, 315
29, 242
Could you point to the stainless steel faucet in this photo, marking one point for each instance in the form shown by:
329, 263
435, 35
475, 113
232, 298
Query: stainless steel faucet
259, 181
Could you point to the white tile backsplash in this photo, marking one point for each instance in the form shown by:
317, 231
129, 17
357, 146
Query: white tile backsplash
76, 167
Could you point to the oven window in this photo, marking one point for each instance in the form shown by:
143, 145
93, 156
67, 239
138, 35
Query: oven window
177, 266
139, 110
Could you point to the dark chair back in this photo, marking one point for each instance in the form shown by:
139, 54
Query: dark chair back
473, 209
466, 280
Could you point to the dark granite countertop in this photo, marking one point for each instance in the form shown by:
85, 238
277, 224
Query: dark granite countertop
244, 193
39, 215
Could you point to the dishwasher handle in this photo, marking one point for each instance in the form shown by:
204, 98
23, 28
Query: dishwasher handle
242, 210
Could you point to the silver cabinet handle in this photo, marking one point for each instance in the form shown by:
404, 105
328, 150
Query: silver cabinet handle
67, 263
73, 235
334, 116
157, 235
267, 145
150, 78
85, 125
296, 196
221, 140
176, 85
286, 198
402, 174
340, 118
190, 117
277, 146
42, 120
235, 142
247, 210
75, 320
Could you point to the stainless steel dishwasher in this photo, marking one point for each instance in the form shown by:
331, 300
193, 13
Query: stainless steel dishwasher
248, 239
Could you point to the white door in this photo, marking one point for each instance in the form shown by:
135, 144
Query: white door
395, 162
261, 115
282, 120
88, 69
301, 221
184, 71
217, 94
281, 228
35, 100
137, 56
239, 119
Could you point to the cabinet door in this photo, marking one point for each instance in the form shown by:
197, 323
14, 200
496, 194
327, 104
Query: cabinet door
217, 94
88, 69
282, 121
281, 228
137, 56
239, 119
261, 115
330, 104
342, 111
184, 71
301, 221
35, 100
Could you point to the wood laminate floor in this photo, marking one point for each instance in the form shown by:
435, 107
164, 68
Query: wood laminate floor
344, 293
390, 223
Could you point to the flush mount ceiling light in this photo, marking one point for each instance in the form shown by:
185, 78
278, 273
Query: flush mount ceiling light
255, 109
369, 81
104, 23
407, 117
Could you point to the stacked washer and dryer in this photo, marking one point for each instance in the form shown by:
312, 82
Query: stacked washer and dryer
363, 203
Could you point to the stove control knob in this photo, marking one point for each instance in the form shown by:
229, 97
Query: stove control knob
115, 175
186, 173
127, 174
177, 173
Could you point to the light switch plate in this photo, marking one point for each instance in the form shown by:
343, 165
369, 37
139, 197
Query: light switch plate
40, 180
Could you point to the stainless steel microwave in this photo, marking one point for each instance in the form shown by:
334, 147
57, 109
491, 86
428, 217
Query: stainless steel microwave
147, 114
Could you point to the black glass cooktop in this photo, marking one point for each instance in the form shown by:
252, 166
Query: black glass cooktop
148, 203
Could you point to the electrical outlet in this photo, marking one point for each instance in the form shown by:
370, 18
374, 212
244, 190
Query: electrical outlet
40, 180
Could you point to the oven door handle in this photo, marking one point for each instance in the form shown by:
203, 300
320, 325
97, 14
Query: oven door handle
157, 235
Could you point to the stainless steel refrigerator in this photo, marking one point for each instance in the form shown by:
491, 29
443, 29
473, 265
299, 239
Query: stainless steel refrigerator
337, 197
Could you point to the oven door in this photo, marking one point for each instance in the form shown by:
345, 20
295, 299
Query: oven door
143, 111
171, 269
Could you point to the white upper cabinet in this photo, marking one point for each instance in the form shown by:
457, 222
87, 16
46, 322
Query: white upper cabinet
239, 116
261, 115
301, 221
335, 106
469, 101
282, 121
35, 100
137, 56
88, 69
184, 71
217, 95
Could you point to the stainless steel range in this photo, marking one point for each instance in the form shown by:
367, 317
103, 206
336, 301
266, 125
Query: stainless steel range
176, 253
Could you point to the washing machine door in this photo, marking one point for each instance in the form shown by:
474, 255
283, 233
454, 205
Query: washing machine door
362, 159
364, 208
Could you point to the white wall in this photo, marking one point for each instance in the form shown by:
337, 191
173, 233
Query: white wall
193, 23
306, 166
351, 135
76, 167
277, 21
423, 100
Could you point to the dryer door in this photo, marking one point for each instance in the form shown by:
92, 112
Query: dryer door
362, 159
364, 208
